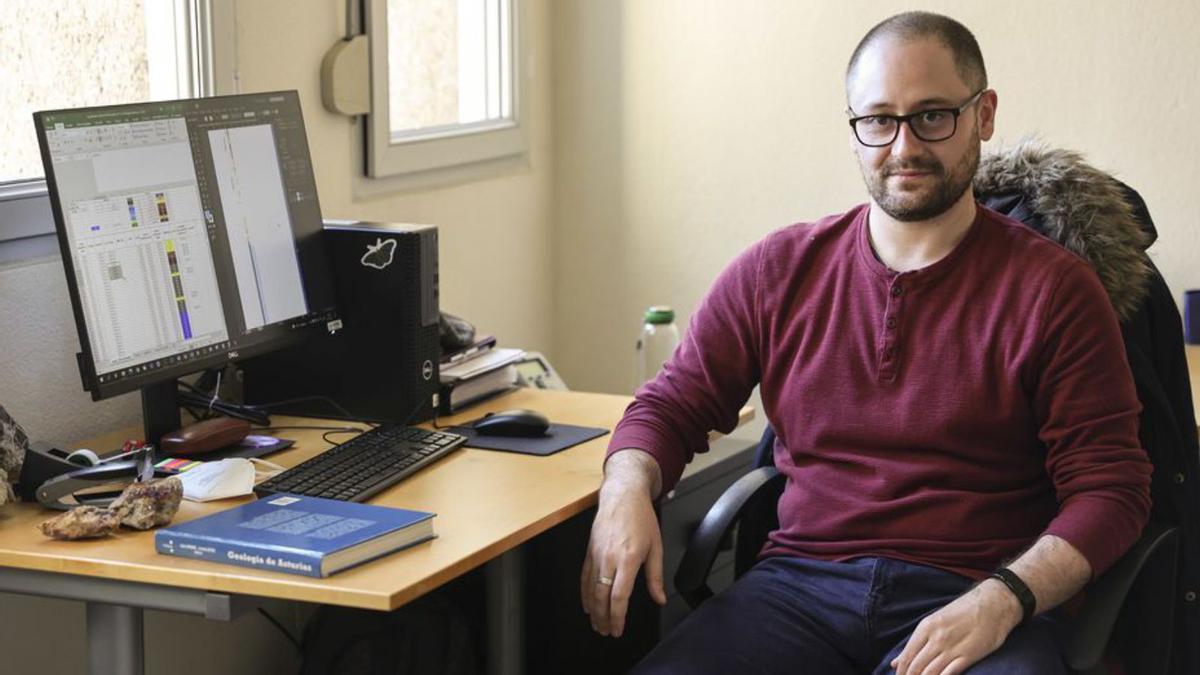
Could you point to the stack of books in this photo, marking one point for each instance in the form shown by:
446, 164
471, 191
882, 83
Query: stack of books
475, 373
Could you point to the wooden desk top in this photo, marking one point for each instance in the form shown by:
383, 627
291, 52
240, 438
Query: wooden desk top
486, 503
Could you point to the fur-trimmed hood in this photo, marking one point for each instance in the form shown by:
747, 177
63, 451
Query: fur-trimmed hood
1089, 212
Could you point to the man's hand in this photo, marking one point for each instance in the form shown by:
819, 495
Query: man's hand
960, 634
625, 535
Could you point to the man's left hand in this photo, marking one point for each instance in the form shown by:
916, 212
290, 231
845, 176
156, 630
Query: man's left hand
962, 633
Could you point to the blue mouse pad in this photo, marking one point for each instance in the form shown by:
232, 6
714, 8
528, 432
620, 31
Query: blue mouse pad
558, 437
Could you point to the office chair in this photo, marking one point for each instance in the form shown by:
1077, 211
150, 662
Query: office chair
1137, 612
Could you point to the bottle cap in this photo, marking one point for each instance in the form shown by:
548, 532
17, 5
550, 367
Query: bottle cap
660, 314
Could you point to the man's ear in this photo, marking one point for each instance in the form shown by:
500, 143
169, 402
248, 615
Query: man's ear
987, 114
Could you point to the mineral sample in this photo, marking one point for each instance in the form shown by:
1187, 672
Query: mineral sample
6, 491
150, 504
13, 444
82, 522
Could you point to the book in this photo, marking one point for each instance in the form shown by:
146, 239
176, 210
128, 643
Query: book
485, 363
458, 394
480, 347
295, 534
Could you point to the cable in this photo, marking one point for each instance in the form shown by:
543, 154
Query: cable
337, 406
201, 404
286, 633
216, 390
300, 426
325, 436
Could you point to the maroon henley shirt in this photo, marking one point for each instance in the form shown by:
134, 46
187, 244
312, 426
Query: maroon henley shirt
946, 416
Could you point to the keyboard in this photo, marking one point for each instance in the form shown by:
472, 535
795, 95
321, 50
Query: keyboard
364, 465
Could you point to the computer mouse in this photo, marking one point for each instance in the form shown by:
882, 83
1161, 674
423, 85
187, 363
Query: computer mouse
517, 423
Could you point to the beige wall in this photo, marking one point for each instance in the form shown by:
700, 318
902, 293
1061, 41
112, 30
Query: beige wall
495, 270
686, 129
673, 134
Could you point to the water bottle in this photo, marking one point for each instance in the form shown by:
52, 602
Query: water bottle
656, 343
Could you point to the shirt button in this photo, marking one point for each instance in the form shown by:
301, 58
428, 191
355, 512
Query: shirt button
896, 291
891, 322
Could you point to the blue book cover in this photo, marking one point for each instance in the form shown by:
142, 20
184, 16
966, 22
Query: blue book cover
300, 535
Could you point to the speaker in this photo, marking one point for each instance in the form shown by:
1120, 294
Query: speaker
381, 365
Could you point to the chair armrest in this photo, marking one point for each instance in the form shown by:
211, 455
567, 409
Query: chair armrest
1157, 549
692, 575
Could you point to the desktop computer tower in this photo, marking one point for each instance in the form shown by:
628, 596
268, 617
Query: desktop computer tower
382, 364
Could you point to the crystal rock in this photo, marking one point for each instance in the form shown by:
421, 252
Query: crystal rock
82, 522
150, 504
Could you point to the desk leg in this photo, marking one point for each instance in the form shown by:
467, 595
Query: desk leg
506, 613
114, 639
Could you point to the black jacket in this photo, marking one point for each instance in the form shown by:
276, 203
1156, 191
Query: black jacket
1153, 333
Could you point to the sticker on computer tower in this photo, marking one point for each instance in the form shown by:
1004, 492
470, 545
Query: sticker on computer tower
380, 254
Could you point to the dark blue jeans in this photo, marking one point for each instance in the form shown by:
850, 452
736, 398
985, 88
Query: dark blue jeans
797, 616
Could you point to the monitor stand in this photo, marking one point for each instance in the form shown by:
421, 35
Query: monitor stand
160, 410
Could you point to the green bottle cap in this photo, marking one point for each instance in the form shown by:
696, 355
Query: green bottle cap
660, 314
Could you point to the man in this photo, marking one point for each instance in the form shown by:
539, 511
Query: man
956, 417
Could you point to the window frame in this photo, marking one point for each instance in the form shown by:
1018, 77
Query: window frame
445, 148
26, 219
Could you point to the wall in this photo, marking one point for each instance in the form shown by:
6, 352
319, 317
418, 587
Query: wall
687, 129
495, 270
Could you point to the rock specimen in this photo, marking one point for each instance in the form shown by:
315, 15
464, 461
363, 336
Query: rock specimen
13, 444
82, 522
150, 504
6, 492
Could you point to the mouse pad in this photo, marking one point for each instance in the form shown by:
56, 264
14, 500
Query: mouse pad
558, 437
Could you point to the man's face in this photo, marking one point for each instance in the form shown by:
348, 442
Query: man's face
912, 179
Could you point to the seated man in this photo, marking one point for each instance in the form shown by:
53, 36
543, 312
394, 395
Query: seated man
956, 418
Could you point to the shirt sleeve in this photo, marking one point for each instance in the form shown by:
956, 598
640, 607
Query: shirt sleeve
1087, 410
706, 381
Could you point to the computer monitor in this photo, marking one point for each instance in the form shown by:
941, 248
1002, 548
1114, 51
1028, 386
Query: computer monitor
190, 235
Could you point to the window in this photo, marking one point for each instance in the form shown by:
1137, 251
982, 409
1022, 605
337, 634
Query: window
444, 90
62, 54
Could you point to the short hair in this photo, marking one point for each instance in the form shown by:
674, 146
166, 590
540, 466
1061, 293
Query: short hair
968, 60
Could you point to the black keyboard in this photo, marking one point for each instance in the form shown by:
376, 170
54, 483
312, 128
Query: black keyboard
362, 466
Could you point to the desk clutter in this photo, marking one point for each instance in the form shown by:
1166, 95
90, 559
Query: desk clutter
141, 506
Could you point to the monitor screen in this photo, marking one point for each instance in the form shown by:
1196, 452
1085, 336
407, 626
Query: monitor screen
190, 233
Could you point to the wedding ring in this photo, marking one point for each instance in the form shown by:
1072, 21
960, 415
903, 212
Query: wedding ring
604, 581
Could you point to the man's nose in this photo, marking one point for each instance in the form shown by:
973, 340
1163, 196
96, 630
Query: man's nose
907, 144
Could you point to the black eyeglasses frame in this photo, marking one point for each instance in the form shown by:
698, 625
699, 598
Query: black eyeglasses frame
907, 119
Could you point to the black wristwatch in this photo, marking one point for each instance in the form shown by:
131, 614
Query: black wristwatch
1024, 595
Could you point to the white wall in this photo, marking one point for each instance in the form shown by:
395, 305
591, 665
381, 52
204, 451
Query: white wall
495, 271
687, 129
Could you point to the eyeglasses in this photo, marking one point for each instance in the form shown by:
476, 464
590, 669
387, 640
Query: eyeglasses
937, 124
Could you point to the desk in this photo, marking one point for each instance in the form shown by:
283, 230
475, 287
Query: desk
487, 505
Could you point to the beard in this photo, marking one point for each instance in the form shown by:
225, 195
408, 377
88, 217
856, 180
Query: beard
909, 206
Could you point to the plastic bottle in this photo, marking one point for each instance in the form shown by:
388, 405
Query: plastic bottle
657, 342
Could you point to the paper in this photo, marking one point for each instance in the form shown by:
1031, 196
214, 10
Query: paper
481, 364
232, 477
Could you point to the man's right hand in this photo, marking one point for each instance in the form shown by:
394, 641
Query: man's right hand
625, 535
